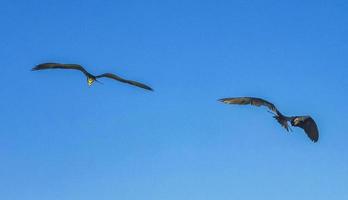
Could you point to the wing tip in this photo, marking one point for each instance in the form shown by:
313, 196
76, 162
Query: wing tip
143, 86
222, 100
40, 66
146, 87
149, 88
315, 139
37, 67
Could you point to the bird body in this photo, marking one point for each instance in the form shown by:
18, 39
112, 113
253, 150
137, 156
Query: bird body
90, 77
304, 122
90, 80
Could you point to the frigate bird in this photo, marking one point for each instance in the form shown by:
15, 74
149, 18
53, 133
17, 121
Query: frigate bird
90, 77
305, 122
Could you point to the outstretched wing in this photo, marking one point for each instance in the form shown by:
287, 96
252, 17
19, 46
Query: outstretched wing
308, 125
250, 100
60, 66
115, 77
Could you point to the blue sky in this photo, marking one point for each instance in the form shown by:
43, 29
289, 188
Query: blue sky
60, 139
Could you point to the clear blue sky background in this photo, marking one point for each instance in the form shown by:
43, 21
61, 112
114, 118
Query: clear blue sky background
60, 139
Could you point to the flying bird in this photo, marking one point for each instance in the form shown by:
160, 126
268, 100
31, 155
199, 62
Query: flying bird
305, 122
90, 77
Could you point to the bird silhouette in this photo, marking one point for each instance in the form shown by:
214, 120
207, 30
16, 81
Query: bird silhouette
305, 122
90, 77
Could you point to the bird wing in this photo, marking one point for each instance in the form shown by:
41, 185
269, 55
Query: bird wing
249, 100
308, 125
115, 77
60, 66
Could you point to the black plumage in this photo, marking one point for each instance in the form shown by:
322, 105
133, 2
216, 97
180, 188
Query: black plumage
305, 122
90, 77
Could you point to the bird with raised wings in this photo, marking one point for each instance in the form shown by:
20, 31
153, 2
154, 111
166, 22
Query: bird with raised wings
305, 122
90, 77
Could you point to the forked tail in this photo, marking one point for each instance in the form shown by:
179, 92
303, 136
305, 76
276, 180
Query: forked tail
96, 80
282, 120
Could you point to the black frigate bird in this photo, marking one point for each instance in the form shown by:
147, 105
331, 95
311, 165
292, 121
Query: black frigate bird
304, 122
90, 78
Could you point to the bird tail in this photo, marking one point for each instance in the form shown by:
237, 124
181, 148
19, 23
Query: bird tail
283, 121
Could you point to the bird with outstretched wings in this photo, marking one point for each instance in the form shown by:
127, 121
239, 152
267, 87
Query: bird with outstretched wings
90, 77
304, 122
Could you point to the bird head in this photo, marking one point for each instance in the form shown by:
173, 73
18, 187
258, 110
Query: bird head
296, 121
90, 81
